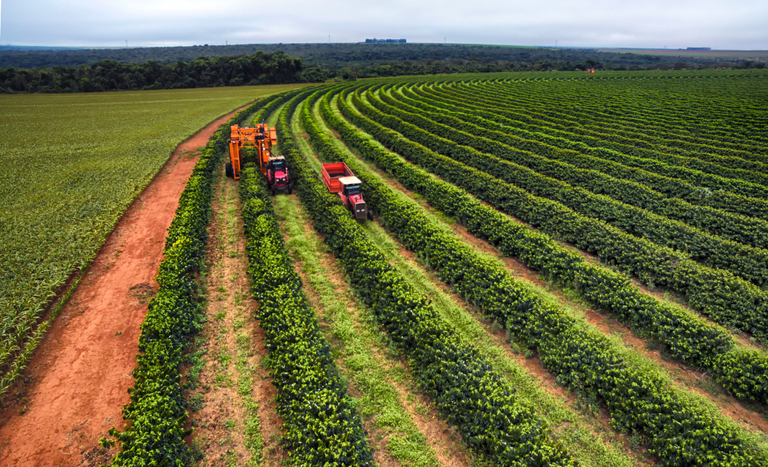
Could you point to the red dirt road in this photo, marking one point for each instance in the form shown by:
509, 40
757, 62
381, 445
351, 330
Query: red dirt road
82, 370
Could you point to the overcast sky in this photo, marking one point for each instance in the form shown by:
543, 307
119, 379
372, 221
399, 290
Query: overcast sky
720, 24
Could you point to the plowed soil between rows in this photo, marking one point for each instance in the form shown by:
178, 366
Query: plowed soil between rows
77, 382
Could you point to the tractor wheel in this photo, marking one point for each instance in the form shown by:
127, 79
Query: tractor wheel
228, 169
290, 189
370, 215
273, 191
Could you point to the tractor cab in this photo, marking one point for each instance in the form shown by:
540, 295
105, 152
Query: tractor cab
352, 197
277, 174
277, 164
351, 188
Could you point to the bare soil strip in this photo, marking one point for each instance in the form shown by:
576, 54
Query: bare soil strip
233, 400
76, 385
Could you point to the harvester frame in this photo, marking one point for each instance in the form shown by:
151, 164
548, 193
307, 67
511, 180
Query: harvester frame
260, 137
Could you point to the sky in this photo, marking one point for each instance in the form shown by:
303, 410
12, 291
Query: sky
720, 24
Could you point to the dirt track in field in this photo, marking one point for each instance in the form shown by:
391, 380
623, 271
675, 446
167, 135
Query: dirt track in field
77, 382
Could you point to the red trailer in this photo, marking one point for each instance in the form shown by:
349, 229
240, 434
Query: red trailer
340, 180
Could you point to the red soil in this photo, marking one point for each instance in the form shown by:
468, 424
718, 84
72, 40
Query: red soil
83, 369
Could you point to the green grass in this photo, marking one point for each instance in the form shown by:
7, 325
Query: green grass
70, 164
591, 444
244, 345
242, 355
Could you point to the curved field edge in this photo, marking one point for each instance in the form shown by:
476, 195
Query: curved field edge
62, 195
174, 314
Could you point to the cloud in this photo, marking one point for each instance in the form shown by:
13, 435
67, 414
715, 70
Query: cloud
578, 23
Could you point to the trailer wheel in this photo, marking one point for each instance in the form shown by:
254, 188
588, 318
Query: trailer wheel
228, 169
370, 215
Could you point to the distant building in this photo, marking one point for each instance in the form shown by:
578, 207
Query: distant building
385, 41
699, 48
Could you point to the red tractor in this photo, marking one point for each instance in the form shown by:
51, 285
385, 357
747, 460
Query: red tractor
277, 175
340, 180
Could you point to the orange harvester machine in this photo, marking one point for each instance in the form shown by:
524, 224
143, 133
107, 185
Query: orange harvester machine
260, 137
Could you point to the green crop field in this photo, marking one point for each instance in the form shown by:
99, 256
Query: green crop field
563, 269
71, 164
662, 176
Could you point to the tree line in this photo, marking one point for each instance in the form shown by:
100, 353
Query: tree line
337, 56
110, 75
434, 67
319, 64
